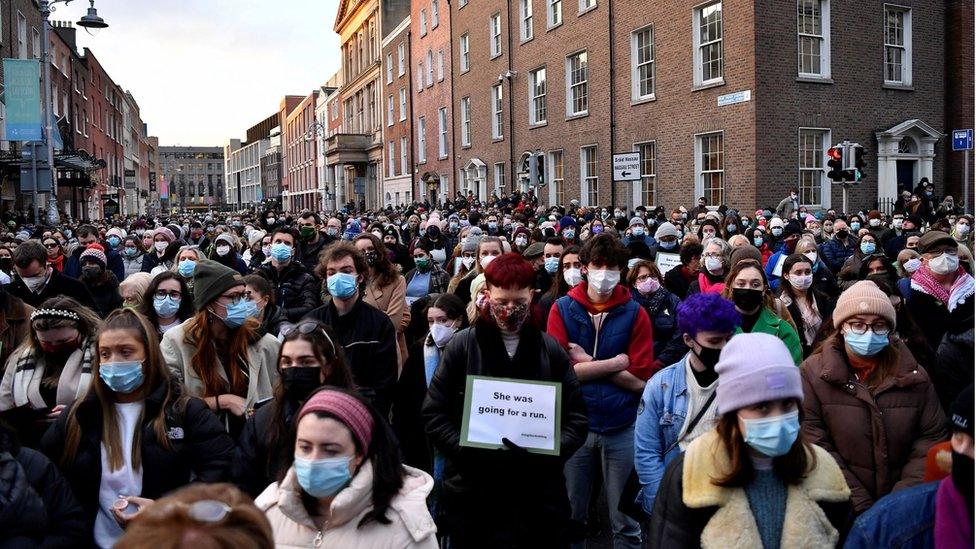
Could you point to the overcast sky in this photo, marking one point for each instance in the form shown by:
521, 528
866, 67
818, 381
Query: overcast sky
204, 71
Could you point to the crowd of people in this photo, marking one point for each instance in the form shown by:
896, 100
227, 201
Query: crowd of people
772, 378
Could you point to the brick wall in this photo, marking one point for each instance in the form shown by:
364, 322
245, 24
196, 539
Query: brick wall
428, 99
959, 90
398, 181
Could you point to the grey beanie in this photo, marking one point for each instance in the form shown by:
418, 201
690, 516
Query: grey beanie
754, 368
666, 229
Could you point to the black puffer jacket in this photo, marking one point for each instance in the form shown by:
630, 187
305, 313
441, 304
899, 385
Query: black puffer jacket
479, 484
310, 251
22, 514
296, 289
65, 519
200, 449
255, 465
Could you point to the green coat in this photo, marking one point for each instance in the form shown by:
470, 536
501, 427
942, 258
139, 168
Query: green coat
769, 323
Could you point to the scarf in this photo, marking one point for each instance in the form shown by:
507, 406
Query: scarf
57, 264
924, 281
708, 287
432, 357
953, 523
27, 363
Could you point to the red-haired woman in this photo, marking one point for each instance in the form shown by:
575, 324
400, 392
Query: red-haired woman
478, 483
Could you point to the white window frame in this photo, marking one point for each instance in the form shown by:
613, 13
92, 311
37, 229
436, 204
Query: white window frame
495, 35
420, 76
823, 39
440, 65
403, 156
825, 185
525, 20
465, 121
391, 161
554, 13
389, 110
465, 46
403, 104
699, 172
586, 178
21, 36
537, 100
389, 68
498, 176
421, 140
636, 65
697, 46
435, 14
430, 68
423, 22
35, 43
442, 133
557, 185
462, 3
571, 86
586, 5
905, 46
401, 59
637, 195
497, 98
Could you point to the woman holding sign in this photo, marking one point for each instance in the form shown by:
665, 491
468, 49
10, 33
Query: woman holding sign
503, 494
753, 481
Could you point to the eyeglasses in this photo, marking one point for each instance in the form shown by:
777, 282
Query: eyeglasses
163, 294
879, 327
51, 245
306, 328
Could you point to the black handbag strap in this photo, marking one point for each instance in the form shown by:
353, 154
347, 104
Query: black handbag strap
694, 422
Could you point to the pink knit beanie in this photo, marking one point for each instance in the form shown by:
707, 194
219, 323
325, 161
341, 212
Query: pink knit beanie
348, 409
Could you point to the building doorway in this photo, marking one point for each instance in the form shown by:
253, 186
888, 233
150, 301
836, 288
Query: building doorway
906, 174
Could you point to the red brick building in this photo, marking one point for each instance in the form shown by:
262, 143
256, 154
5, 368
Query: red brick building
298, 157
398, 172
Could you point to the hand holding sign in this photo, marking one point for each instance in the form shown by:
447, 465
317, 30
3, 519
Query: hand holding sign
512, 413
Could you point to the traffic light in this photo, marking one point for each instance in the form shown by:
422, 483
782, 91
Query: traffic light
835, 161
859, 163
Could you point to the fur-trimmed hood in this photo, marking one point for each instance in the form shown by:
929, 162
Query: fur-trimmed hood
732, 525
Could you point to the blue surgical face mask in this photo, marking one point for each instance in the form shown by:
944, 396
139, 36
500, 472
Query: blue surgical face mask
167, 306
772, 436
855, 225
187, 267
113, 241
121, 377
867, 247
665, 245
552, 264
758, 242
280, 252
342, 285
239, 311
866, 344
322, 478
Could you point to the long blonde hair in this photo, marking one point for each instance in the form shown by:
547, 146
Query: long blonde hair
156, 375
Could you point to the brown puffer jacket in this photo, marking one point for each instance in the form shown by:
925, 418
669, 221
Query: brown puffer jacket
879, 437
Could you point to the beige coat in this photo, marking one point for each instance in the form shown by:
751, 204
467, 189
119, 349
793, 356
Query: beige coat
262, 360
411, 525
392, 300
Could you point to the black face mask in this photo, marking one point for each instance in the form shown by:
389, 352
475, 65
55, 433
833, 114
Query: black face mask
371, 257
747, 299
842, 234
962, 477
708, 356
299, 382
6, 263
92, 271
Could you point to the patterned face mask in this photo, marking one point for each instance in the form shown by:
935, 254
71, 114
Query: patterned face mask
508, 317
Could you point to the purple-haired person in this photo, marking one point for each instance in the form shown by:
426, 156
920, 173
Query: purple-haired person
678, 403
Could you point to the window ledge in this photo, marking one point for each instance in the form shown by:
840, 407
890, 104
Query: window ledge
812, 79
538, 125
641, 100
497, 139
554, 27
715, 84
495, 56
468, 146
443, 157
574, 116
587, 10
465, 71
524, 41
896, 86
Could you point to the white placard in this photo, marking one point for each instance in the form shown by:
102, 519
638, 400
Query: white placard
778, 267
667, 261
525, 412
626, 166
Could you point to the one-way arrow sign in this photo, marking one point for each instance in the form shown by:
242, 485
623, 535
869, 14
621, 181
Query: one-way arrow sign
626, 166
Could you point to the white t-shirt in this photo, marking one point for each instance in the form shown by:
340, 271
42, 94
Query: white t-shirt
124, 481
167, 327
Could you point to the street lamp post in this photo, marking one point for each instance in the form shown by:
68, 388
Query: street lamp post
90, 21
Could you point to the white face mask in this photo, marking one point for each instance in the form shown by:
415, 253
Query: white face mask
35, 283
874, 222
572, 277
962, 229
485, 260
468, 262
801, 282
161, 246
441, 334
912, 265
944, 264
223, 250
812, 256
713, 264
603, 280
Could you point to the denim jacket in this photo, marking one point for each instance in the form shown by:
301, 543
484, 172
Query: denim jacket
660, 417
